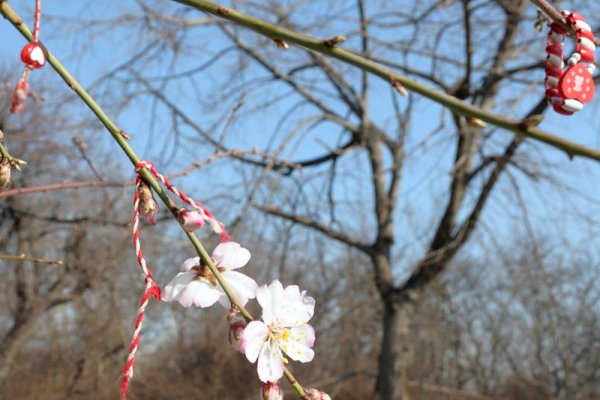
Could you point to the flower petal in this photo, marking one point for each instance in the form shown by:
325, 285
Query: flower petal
254, 337
230, 255
243, 287
177, 284
270, 299
297, 343
190, 263
270, 362
296, 309
199, 293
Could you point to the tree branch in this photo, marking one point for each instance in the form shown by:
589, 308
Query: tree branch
24, 257
460, 107
238, 154
310, 223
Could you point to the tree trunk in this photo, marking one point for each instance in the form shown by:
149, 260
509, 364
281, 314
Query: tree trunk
396, 351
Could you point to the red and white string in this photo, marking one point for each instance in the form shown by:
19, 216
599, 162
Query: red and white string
36, 21
152, 289
215, 224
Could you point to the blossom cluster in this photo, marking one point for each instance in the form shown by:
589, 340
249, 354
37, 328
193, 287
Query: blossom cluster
283, 330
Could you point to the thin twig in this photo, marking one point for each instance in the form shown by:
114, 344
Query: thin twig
101, 183
24, 257
80, 144
64, 185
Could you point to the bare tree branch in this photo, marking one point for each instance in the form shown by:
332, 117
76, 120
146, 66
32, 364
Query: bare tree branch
24, 257
308, 222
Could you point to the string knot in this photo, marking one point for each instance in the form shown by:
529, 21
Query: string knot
153, 288
144, 164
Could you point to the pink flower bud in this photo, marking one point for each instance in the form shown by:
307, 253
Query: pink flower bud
237, 324
4, 174
148, 206
271, 391
191, 220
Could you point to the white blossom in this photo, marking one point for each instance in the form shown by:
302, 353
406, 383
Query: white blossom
284, 329
196, 285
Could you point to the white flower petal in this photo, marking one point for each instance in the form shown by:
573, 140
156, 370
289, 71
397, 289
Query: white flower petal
243, 287
297, 342
270, 299
254, 337
297, 308
270, 363
177, 284
199, 293
190, 263
230, 255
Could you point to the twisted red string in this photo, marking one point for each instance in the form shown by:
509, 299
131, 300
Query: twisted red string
152, 290
36, 21
215, 224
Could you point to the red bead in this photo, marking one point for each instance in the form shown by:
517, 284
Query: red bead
33, 54
585, 34
561, 110
557, 28
553, 71
552, 92
576, 17
555, 49
586, 55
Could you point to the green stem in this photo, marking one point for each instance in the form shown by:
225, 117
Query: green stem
458, 106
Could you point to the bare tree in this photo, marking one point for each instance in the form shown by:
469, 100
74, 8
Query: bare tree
363, 149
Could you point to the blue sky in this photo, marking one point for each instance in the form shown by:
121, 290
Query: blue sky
93, 55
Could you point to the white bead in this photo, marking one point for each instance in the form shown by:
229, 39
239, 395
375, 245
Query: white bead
591, 67
572, 105
555, 60
555, 38
587, 43
582, 25
551, 82
574, 59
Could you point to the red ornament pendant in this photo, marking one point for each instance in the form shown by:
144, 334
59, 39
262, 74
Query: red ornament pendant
577, 84
33, 55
